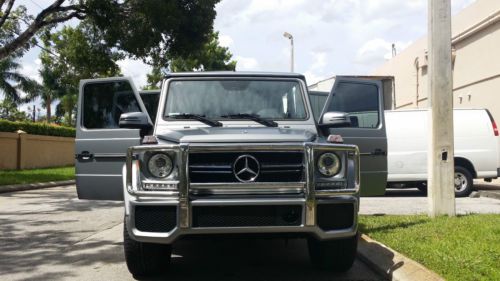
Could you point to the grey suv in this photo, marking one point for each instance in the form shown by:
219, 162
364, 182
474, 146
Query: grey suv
231, 153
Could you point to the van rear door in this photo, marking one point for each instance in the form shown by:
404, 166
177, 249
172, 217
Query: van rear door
100, 144
363, 101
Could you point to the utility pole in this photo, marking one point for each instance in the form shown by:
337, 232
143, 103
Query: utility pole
289, 36
441, 188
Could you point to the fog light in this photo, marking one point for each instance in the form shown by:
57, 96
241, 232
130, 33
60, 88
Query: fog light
159, 186
330, 185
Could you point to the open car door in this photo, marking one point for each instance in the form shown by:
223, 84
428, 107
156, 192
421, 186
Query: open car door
363, 101
150, 99
100, 144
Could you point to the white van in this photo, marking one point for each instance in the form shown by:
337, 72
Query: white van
476, 148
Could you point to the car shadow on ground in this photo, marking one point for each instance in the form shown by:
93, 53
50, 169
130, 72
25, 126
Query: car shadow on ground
414, 192
250, 259
404, 192
379, 258
487, 186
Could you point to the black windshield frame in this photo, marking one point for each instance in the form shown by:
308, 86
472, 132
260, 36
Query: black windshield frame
236, 78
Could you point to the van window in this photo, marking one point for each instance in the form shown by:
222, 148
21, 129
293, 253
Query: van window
317, 100
150, 101
360, 101
103, 103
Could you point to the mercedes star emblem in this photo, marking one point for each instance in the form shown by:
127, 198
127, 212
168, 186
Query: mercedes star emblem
246, 168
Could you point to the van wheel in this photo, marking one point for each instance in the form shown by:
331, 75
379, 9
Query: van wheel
145, 259
463, 182
333, 255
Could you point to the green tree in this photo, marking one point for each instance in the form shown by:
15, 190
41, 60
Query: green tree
210, 57
49, 91
70, 55
9, 111
68, 106
11, 20
12, 83
141, 29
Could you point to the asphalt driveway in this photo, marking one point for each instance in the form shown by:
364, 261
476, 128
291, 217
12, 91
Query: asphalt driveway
48, 234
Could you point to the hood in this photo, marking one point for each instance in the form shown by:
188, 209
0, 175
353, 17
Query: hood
236, 134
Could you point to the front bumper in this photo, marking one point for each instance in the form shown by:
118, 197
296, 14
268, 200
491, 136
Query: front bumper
318, 213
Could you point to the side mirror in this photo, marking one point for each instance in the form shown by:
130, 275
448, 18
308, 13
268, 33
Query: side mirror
335, 119
135, 120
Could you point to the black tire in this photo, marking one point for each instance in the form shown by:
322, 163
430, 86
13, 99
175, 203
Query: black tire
464, 182
422, 186
333, 255
145, 259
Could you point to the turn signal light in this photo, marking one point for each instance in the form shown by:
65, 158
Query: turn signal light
335, 139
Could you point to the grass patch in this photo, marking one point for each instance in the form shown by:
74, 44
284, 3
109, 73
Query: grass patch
37, 175
458, 248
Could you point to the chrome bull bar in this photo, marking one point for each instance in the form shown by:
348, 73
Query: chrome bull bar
132, 176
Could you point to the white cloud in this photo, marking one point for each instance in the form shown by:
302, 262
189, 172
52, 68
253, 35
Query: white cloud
331, 36
225, 40
31, 69
246, 63
374, 52
316, 70
135, 69
312, 77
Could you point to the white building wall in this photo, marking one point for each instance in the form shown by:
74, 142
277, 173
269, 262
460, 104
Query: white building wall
476, 69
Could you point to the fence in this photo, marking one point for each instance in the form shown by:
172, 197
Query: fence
24, 151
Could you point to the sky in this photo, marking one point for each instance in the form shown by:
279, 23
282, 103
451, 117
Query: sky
330, 36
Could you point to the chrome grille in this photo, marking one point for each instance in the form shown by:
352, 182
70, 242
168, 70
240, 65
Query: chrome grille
217, 167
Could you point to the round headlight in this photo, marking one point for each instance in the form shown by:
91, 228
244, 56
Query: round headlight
160, 165
328, 164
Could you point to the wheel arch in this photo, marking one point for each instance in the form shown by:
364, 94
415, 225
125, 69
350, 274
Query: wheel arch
465, 163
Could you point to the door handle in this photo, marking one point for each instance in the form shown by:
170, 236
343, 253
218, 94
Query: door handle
85, 156
378, 152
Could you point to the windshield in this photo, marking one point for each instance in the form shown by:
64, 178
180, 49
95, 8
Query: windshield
269, 99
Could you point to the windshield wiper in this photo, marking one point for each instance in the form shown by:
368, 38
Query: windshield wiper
197, 117
253, 117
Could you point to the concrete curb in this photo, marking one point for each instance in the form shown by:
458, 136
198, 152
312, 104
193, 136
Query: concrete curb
489, 194
31, 186
391, 264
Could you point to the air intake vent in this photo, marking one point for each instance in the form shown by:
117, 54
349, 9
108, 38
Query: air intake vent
155, 218
241, 216
335, 216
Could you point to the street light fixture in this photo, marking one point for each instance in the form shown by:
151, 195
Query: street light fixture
289, 36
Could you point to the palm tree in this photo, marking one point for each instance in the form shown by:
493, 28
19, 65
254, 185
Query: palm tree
68, 104
12, 82
50, 90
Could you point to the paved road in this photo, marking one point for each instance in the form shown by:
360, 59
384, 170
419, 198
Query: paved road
412, 201
48, 234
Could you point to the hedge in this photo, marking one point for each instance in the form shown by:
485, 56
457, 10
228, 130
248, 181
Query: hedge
37, 128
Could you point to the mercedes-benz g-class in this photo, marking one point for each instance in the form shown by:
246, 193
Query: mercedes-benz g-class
231, 153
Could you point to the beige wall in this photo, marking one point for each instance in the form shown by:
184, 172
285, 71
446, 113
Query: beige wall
24, 151
476, 69
8, 151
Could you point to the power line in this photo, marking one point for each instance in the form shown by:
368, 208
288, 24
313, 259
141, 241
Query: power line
41, 8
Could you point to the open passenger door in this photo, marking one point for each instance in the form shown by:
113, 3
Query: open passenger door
101, 145
363, 102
